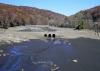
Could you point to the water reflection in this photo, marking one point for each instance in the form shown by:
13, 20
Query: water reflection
38, 55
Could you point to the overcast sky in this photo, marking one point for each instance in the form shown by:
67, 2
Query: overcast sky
66, 7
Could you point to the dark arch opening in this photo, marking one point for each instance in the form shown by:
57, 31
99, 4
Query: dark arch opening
53, 35
49, 35
45, 35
